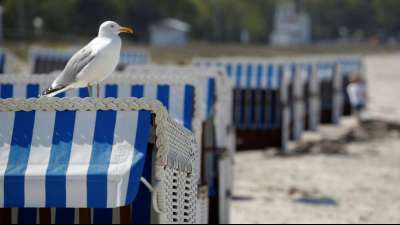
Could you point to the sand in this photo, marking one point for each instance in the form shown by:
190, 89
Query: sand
333, 178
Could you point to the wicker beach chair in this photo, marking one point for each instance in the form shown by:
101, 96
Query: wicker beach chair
261, 113
81, 161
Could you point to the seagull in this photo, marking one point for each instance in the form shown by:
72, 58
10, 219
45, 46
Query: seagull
93, 63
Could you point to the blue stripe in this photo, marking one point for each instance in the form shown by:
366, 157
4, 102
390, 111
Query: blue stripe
27, 216
14, 187
100, 159
65, 216
163, 95
270, 76
32, 91
229, 70
211, 96
188, 107
249, 75
6, 91
59, 159
104, 216
84, 92
260, 71
111, 91
238, 75
141, 142
61, 95
293, 71
137, 91
141, 208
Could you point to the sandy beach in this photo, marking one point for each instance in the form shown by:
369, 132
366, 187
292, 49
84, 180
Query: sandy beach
333, 177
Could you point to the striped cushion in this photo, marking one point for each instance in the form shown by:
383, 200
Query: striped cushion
70, 159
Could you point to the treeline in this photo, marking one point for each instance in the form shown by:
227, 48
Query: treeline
211, 20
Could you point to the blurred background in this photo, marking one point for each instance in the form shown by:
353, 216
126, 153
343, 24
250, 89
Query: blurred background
353, 181
262, 25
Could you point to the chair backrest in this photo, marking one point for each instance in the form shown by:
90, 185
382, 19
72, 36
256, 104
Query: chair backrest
91, 153
252, 79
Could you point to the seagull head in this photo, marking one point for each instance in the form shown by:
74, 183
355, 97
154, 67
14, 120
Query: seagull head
111, 29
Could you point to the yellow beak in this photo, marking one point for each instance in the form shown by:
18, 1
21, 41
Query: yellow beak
126, 30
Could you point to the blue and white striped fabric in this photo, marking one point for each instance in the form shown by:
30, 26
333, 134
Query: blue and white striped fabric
2, 62
253, 75
69, 159
178, 99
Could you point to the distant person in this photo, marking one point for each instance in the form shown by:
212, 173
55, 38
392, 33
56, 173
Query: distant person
358, 98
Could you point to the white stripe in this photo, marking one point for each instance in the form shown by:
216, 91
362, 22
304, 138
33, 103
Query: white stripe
81, 153
177, 105
150, 91
42, 137
121, 157
275, 78
72, 93
19, 91
124, 91
254, 75
6, 131
264, 76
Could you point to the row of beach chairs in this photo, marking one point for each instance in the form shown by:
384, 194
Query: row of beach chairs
159, 145
194, 191
279, 98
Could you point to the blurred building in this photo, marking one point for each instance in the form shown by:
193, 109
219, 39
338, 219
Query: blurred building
169, 32
291, 27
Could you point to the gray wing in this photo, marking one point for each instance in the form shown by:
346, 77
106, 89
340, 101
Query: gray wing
74, 66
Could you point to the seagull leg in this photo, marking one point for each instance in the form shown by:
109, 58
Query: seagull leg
98, 90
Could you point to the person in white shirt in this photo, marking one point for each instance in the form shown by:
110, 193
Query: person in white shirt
358, 97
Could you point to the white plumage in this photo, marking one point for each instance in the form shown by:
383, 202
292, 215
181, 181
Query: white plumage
93, 63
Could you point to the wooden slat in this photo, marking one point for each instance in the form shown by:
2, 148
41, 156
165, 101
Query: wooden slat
5, 216
125, 214
84, 216
45, 216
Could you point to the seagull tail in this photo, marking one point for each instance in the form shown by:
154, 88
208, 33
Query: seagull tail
52, 92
